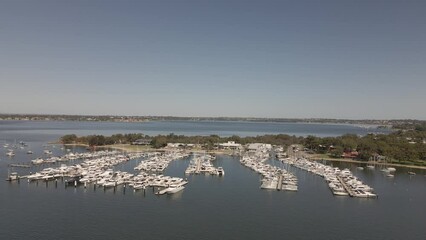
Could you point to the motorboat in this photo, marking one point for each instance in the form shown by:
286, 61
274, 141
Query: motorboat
37, 161
10, 154
13, 176
175, 189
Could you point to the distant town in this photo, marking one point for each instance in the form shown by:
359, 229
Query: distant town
398, 123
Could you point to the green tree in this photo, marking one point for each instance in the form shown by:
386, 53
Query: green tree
67, 139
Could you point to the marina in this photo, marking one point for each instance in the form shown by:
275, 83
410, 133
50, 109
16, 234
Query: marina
340, 182
96, 168
273, 178
202, 199
202, 164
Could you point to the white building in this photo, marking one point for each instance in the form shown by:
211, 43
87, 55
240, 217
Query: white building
230, 145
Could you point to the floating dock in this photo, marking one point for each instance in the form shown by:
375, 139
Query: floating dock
348, 189
20, 165
280, 182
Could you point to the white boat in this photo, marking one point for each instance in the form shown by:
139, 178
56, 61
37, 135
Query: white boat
10, 154
139, 186
162, 191
339, 192
48, 177
172, 190
391, 169
360, 168
389, 175
411, 173
13, 176
364, 194
37, 161
109, 183
47, 152
289, 187
29, 152
370, 166
35, 176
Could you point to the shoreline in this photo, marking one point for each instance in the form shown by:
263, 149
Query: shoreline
314, 158
138, 148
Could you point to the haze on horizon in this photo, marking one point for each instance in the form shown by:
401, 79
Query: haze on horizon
281, 59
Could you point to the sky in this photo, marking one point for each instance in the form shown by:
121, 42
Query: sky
279, 59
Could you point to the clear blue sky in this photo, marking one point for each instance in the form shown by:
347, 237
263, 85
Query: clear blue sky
329, 59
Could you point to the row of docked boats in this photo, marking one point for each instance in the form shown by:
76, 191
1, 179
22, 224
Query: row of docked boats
73, 156
340, 182
202, 164
97, 169
93, 164
158, 162
272, 177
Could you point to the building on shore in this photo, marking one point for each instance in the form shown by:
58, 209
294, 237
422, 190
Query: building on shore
229, 145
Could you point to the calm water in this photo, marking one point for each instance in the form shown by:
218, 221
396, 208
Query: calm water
232, 207
53, 129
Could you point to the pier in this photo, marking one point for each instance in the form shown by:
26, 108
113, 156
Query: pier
345, 186
280, 182
20, 165
341, 182
198, 166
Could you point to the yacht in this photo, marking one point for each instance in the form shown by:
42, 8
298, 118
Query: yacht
35, 176
289, 187
339, 192
47, 152
170, 190
175, 189
411, 173
10, 153
37, 161
370, 166
13, 176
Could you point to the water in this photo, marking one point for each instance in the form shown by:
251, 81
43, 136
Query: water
54, 129
231, 207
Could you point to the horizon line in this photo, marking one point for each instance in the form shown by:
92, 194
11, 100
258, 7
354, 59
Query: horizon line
205, 117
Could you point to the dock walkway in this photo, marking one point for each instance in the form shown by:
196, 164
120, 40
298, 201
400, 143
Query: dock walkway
280, 182
348, 189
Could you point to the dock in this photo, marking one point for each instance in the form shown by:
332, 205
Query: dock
280, 182
348, 189
20, 165
198, 168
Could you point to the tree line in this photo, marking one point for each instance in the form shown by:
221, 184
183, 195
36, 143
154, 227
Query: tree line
100, 140
403, 146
